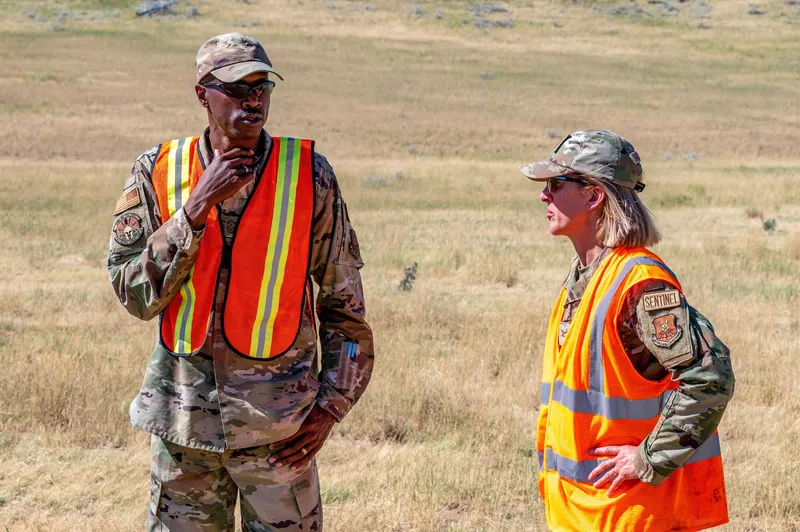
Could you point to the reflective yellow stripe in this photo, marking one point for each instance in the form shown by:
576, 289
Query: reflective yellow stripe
173, 147
278, 247
178, 182
183, 329
287, 235
273, 238
185, 173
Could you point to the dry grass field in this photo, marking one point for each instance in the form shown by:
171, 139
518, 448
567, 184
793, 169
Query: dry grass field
443, 440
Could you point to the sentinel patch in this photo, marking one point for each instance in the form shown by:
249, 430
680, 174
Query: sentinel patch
661, 300
127, 229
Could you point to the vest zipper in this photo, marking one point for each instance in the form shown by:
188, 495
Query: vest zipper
225, 262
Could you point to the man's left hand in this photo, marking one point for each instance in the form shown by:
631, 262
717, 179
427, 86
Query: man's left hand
619, 465
301, 447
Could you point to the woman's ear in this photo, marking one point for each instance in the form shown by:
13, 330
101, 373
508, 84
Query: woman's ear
596, 198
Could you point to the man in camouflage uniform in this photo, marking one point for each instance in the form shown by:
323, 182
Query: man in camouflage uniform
224, 426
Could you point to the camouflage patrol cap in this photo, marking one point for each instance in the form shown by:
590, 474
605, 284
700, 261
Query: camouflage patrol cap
597, 153
230, 57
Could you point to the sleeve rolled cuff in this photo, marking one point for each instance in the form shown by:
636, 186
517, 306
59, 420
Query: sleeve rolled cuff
335, 403
644, 469
180, 233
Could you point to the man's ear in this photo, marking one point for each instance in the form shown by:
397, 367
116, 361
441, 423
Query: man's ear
596, 198
201, 95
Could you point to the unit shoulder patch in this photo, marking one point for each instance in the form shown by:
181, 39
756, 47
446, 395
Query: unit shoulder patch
664, 326
661, 300
128, 228
130, 198
666, 330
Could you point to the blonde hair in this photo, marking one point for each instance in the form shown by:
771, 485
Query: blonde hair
624, 219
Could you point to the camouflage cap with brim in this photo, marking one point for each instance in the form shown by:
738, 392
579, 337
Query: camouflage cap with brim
597, 153
231, 57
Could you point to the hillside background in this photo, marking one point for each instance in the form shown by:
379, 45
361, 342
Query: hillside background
425, 110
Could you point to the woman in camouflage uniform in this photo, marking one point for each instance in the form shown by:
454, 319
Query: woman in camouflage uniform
593, 180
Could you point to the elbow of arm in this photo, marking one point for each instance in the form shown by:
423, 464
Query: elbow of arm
137, 309
725, 383
135, 306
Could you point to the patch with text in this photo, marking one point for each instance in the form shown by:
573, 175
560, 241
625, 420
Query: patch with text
661, 300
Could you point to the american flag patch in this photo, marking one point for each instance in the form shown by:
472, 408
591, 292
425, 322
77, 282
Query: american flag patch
128, 200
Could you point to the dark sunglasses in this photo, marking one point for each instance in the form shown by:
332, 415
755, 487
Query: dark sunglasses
242, 91
554, 183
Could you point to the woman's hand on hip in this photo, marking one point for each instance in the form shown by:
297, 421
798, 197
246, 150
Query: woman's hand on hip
618, 466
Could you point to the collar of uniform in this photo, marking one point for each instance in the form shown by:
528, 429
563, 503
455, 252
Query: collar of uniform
579, 276
263, 147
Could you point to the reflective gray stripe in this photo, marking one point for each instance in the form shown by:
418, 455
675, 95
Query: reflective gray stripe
540, 456
709, 449
596, 375
579, 470
571, 469
179, 175
273, 276
592, 402
545, 397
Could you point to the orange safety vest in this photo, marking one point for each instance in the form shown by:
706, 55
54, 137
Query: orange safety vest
592, 396
268, 259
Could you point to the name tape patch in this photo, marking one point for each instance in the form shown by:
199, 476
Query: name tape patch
661, 300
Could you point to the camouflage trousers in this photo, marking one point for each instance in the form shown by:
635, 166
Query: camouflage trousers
195, 490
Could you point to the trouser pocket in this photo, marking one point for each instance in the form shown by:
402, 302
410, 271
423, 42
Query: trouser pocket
155, 494
155, 501
307, 496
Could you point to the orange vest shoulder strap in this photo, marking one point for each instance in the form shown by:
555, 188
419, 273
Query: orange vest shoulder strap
175, 173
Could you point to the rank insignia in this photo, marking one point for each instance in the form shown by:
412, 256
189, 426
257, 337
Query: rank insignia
667, 330
354, 249
128, 228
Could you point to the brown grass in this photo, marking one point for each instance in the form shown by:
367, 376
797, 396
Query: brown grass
444, 437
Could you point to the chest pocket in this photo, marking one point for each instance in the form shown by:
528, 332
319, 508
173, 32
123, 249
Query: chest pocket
348, 252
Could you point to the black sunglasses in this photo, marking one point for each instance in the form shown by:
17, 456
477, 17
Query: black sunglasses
554, 183
242, 91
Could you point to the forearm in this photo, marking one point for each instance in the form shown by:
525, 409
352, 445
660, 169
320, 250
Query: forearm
346, 339
347, 351
695, 409
146, 276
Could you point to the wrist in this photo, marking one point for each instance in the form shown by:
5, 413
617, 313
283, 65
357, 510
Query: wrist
324, 413
196, 214
640, 463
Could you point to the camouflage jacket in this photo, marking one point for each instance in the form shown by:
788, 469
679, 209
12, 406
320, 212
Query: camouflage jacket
218, 400
699, 361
